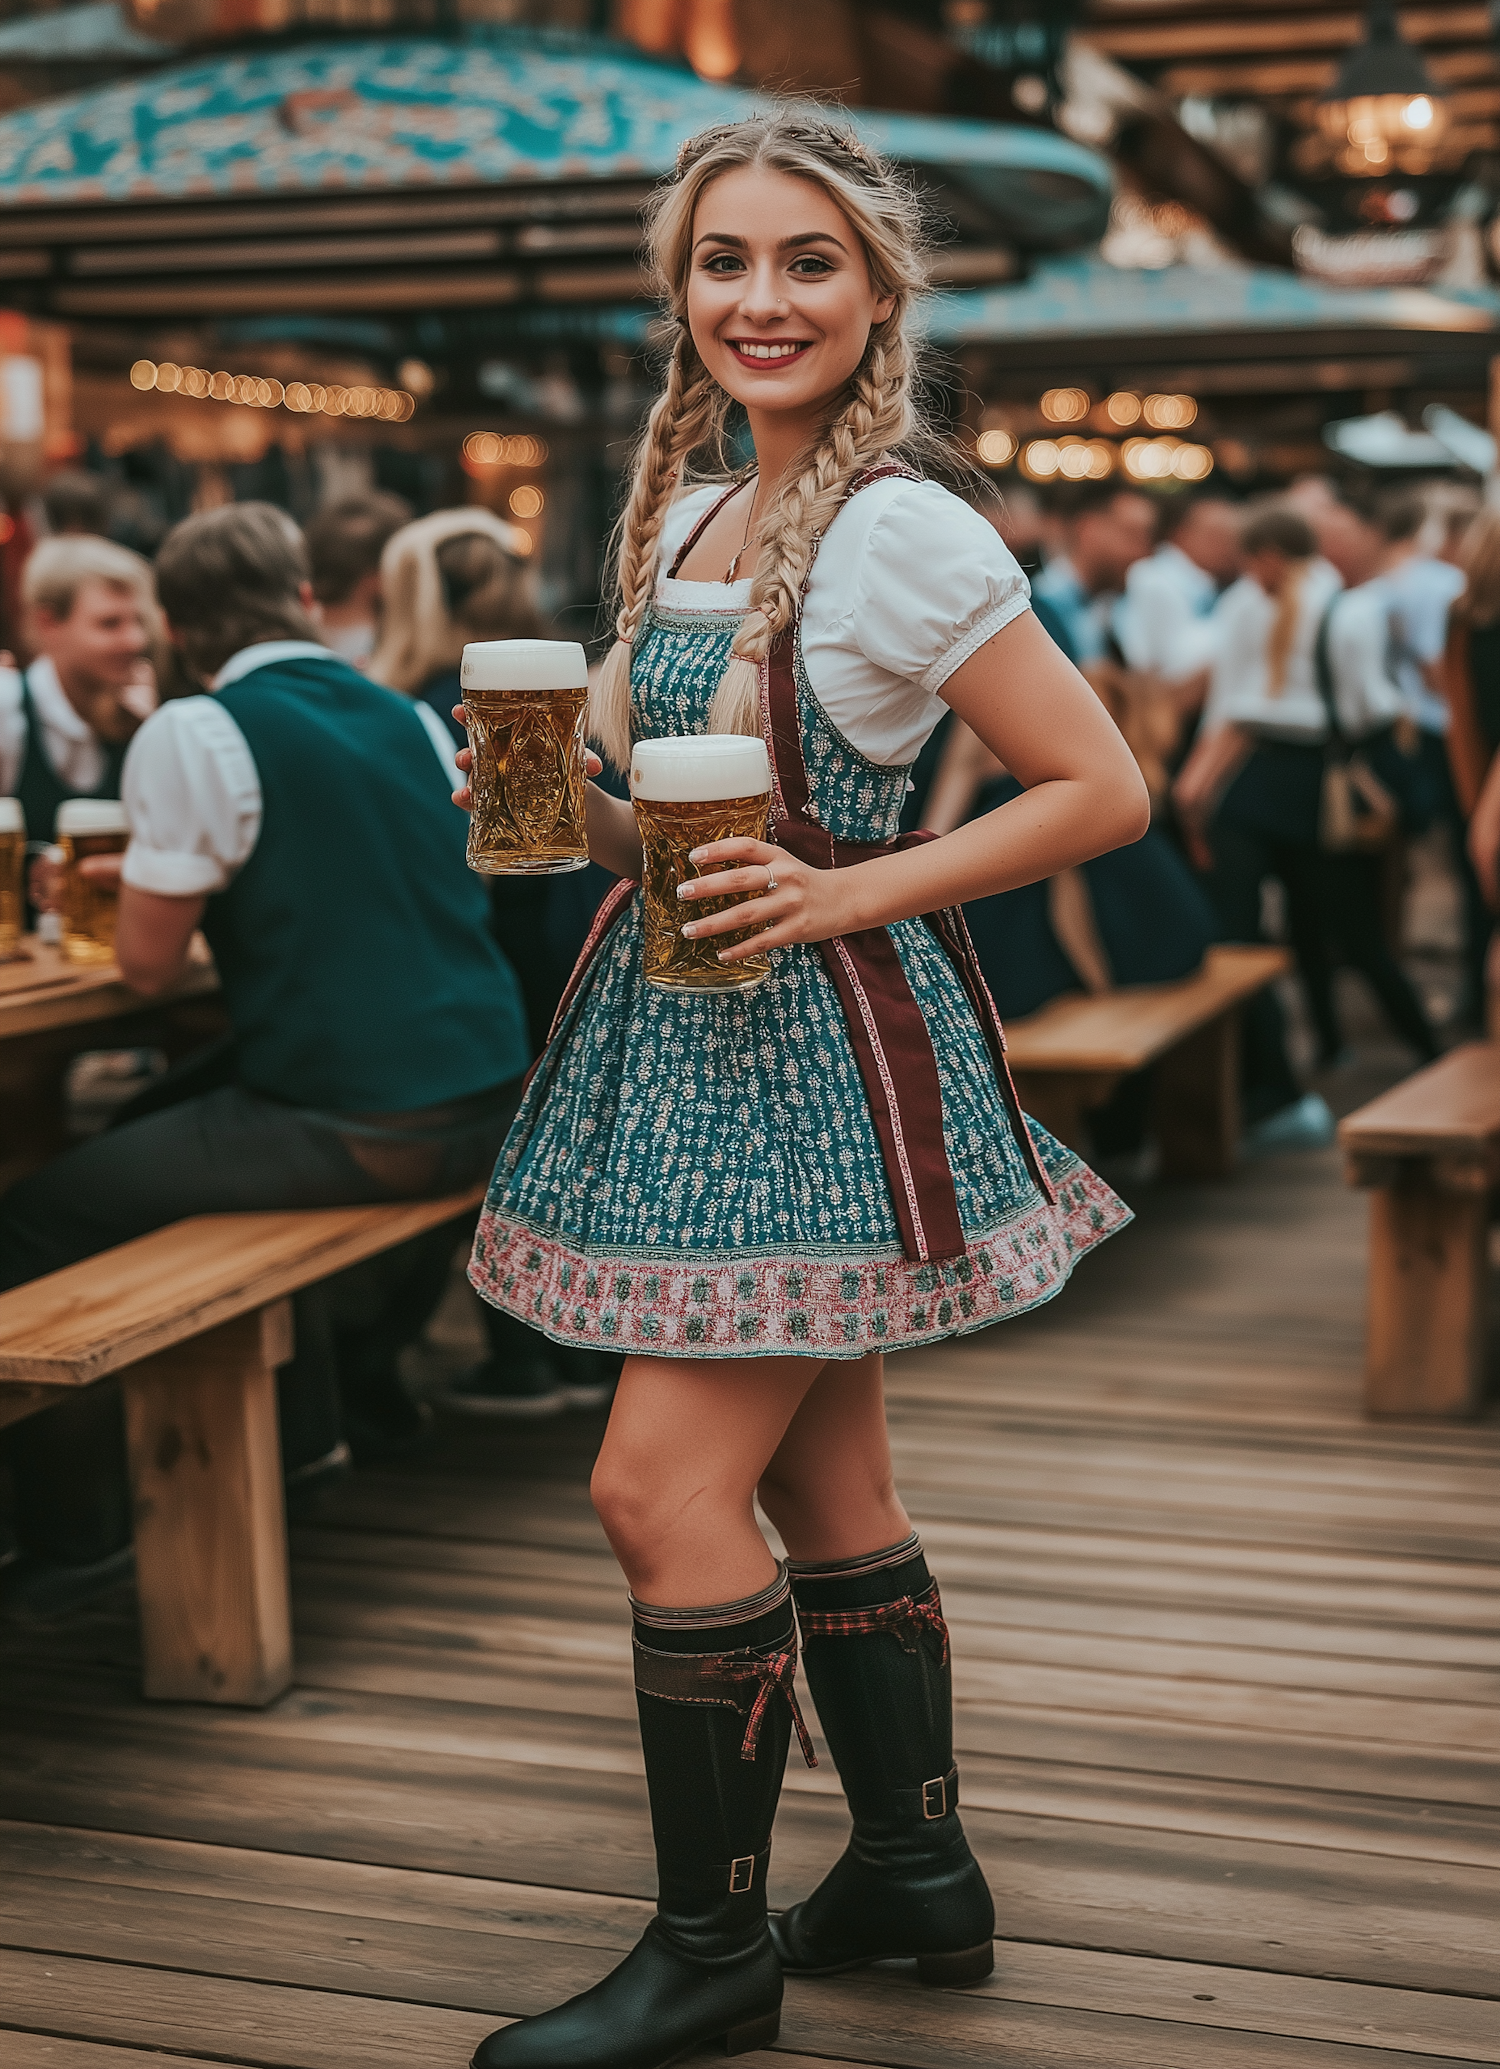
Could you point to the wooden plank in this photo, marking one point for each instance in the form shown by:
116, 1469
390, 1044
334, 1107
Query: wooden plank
877, 2018
90, 1319
1216, 1898
46, 991
210, 1527
1450, 1104
203, 2016
1127, 1029
441, 1948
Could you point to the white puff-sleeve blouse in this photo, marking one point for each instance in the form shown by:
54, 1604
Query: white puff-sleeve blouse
908, 583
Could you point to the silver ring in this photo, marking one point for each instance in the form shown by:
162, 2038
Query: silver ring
770, 881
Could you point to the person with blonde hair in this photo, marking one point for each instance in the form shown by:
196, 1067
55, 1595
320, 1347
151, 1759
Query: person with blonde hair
446, 579
755, 1194
65, 721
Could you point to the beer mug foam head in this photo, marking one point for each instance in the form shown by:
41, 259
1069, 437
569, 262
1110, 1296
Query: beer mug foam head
699, 770
80, 815
524, 664
12, 817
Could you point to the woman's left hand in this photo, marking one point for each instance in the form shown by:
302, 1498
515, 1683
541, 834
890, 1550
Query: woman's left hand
788, 900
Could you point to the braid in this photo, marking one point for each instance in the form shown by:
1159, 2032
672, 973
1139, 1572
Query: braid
876, 417
684, 415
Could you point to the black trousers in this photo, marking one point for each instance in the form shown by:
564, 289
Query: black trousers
193, 1145
1333, 907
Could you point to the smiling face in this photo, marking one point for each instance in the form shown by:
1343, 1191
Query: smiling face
779, 300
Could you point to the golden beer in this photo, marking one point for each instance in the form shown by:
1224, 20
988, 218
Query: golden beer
714, 787
89, 826
12, 878
523, 707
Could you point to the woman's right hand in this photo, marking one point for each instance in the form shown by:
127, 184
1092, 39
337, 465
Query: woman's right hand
464, 762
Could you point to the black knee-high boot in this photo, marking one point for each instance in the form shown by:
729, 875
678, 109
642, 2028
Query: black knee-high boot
875, 1650
714, 1690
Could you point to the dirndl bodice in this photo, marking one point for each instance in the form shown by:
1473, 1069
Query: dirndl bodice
702, 1176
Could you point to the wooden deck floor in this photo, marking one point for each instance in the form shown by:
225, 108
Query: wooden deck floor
1226, 1674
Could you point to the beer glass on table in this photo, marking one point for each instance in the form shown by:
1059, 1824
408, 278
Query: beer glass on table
12, 878
711, 787
89, 826
523, 707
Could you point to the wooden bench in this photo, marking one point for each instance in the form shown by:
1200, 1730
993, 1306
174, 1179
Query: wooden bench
1072, 1055
194, 1320
1429, 1149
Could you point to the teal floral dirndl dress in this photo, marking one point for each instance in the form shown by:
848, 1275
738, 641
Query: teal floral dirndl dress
703, 1176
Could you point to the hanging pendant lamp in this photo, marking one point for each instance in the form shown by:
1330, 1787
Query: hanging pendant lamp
1382, 113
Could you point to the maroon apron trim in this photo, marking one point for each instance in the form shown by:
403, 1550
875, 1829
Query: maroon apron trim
891, 1040
611, 908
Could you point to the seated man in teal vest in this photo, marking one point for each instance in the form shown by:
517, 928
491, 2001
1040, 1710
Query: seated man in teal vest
301, 816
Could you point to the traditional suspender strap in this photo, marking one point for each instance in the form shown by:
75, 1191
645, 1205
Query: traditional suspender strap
703, 524
890, 1038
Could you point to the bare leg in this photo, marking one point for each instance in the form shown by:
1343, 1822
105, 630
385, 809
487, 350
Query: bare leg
829, 1488
675, 1480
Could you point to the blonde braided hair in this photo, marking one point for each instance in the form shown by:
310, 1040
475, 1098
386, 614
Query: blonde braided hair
876, 415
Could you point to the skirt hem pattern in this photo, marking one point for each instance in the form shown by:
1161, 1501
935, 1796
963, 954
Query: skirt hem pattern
710, 1305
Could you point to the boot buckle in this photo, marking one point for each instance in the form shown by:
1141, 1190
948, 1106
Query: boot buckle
935, 1797
741, 1875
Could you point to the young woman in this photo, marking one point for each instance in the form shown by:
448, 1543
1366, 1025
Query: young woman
757, 1194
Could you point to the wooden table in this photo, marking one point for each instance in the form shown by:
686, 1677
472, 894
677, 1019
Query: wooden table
51, 1010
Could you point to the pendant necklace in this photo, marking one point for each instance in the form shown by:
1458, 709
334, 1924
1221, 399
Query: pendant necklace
734, 566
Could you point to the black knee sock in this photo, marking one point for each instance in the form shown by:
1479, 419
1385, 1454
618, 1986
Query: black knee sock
755, 1621
864, 1582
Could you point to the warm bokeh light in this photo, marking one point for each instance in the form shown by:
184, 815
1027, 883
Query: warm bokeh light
527, 500
1169, 412
263, 391
1065, 405
1123, 408
995, 448
503, 449
1068, 459
1166, 459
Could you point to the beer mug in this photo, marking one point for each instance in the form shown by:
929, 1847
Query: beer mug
523, 706
12, 878
713, 787
89, 826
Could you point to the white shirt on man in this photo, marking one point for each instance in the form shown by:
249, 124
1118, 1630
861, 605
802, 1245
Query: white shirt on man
191, 789
68, 741
907, 585
1421, 592
1166, 623
1366, 695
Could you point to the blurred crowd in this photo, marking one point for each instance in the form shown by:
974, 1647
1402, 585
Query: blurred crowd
1310, 684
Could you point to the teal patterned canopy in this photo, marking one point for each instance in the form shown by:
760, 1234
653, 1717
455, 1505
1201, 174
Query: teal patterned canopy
1082, 297
490, 106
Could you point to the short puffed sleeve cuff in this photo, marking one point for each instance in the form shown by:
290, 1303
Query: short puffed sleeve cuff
192, 798
936, 582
